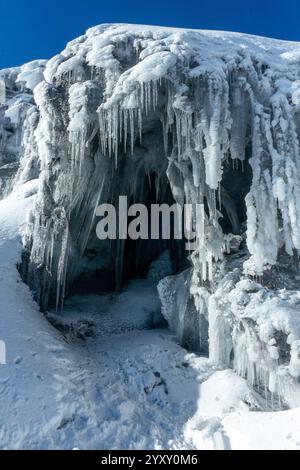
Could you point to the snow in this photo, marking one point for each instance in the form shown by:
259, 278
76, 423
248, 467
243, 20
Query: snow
31, 74
256, 430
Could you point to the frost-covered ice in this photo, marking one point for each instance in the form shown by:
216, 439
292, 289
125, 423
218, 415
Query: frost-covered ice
164, 115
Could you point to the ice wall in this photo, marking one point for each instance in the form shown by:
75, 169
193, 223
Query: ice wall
254, 327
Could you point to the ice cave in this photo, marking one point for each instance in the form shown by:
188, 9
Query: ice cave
164, 116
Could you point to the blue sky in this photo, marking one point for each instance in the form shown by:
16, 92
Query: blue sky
31, 29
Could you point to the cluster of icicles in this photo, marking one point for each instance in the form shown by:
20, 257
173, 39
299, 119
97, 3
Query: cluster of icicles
205, 121
208, 126
200, 138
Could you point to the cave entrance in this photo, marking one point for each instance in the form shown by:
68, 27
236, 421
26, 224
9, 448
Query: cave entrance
140, 253
108, 265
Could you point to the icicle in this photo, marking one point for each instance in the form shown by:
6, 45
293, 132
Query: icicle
142, 104
165, 135
131, 121
62, 268
157, 186
140, 124
219, 197
125, 128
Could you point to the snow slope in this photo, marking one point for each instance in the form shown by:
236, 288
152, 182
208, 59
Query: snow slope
128, 389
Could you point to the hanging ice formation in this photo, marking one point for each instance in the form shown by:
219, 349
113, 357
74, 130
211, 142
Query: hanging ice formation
18, 118
213, 116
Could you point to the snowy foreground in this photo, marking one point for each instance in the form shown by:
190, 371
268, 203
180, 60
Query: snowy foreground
160, 116
127, 387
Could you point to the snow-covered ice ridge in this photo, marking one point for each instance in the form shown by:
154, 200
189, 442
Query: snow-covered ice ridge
215, 117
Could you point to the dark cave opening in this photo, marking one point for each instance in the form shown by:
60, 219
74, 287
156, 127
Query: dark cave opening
108, 265
137, 255
140, 253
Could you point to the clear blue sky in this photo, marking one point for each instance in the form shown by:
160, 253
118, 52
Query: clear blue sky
31, 29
